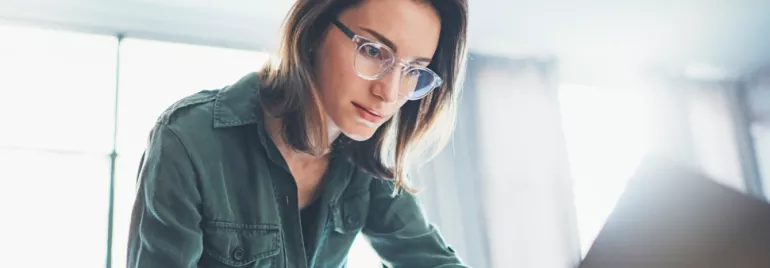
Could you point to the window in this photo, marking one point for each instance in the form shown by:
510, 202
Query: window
59, 198
57, 114
154, 75
62, 125
58, 90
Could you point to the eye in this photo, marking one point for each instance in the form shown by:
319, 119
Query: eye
414, 73
371, 51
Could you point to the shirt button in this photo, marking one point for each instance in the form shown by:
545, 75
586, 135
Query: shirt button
238, 253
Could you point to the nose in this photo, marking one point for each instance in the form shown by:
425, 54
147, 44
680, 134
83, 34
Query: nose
388, 87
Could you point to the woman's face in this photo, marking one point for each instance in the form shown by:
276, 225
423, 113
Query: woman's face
356, 106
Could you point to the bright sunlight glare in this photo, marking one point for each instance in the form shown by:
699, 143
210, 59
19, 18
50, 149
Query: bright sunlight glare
607, 135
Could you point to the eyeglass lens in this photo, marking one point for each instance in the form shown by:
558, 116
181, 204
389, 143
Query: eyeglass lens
373, 60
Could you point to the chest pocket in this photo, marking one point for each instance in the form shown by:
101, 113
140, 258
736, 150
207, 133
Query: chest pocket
240, 245
350, 212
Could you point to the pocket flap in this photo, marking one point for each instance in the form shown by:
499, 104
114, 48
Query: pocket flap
237, 244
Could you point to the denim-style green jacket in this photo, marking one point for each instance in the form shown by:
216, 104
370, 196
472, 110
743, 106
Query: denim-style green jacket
214, 191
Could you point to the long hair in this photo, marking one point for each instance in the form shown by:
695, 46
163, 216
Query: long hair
289, 88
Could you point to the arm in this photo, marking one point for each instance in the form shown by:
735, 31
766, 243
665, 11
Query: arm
399, 232
164, 230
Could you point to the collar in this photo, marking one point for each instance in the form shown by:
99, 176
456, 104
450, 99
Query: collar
236, 105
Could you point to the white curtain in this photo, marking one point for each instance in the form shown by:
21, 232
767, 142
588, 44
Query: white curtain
453, 185
527, 192
758, 98
719, 133
501, 191
714, 136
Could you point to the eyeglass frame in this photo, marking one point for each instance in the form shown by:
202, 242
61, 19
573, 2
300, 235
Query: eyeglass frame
360, 41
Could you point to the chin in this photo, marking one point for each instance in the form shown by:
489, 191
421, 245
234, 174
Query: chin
359, 133
357, 129
358, 136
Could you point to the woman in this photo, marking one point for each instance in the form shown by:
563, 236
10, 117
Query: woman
285, 167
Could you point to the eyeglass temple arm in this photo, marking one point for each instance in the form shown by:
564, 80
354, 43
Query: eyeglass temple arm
344, 29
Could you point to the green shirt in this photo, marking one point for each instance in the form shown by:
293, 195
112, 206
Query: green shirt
214, 191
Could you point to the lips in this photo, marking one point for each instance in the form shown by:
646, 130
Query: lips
368, 114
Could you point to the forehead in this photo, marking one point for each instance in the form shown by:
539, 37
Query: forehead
413, 26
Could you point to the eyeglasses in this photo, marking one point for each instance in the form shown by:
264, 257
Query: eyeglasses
374, 60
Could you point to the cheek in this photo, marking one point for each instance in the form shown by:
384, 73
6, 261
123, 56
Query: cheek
338, 87
335, 74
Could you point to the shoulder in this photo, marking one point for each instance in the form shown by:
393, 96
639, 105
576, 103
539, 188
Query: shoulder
191, 120
195, 108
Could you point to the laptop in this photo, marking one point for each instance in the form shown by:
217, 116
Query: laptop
669, 217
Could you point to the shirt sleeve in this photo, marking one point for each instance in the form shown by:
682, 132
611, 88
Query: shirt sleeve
398, 231
165, 221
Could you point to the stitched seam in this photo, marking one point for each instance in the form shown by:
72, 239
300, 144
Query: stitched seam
227, 122
217, 106
280, 206
276, 243
274, 249
245, 230
198, 98
254, 258
243, 226
218, 114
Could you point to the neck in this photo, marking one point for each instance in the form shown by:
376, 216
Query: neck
273, 127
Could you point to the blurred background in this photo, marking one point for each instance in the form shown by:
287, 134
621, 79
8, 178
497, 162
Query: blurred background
561, 101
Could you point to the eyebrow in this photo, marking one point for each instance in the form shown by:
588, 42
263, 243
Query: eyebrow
421, 59
381, 38
392, 46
